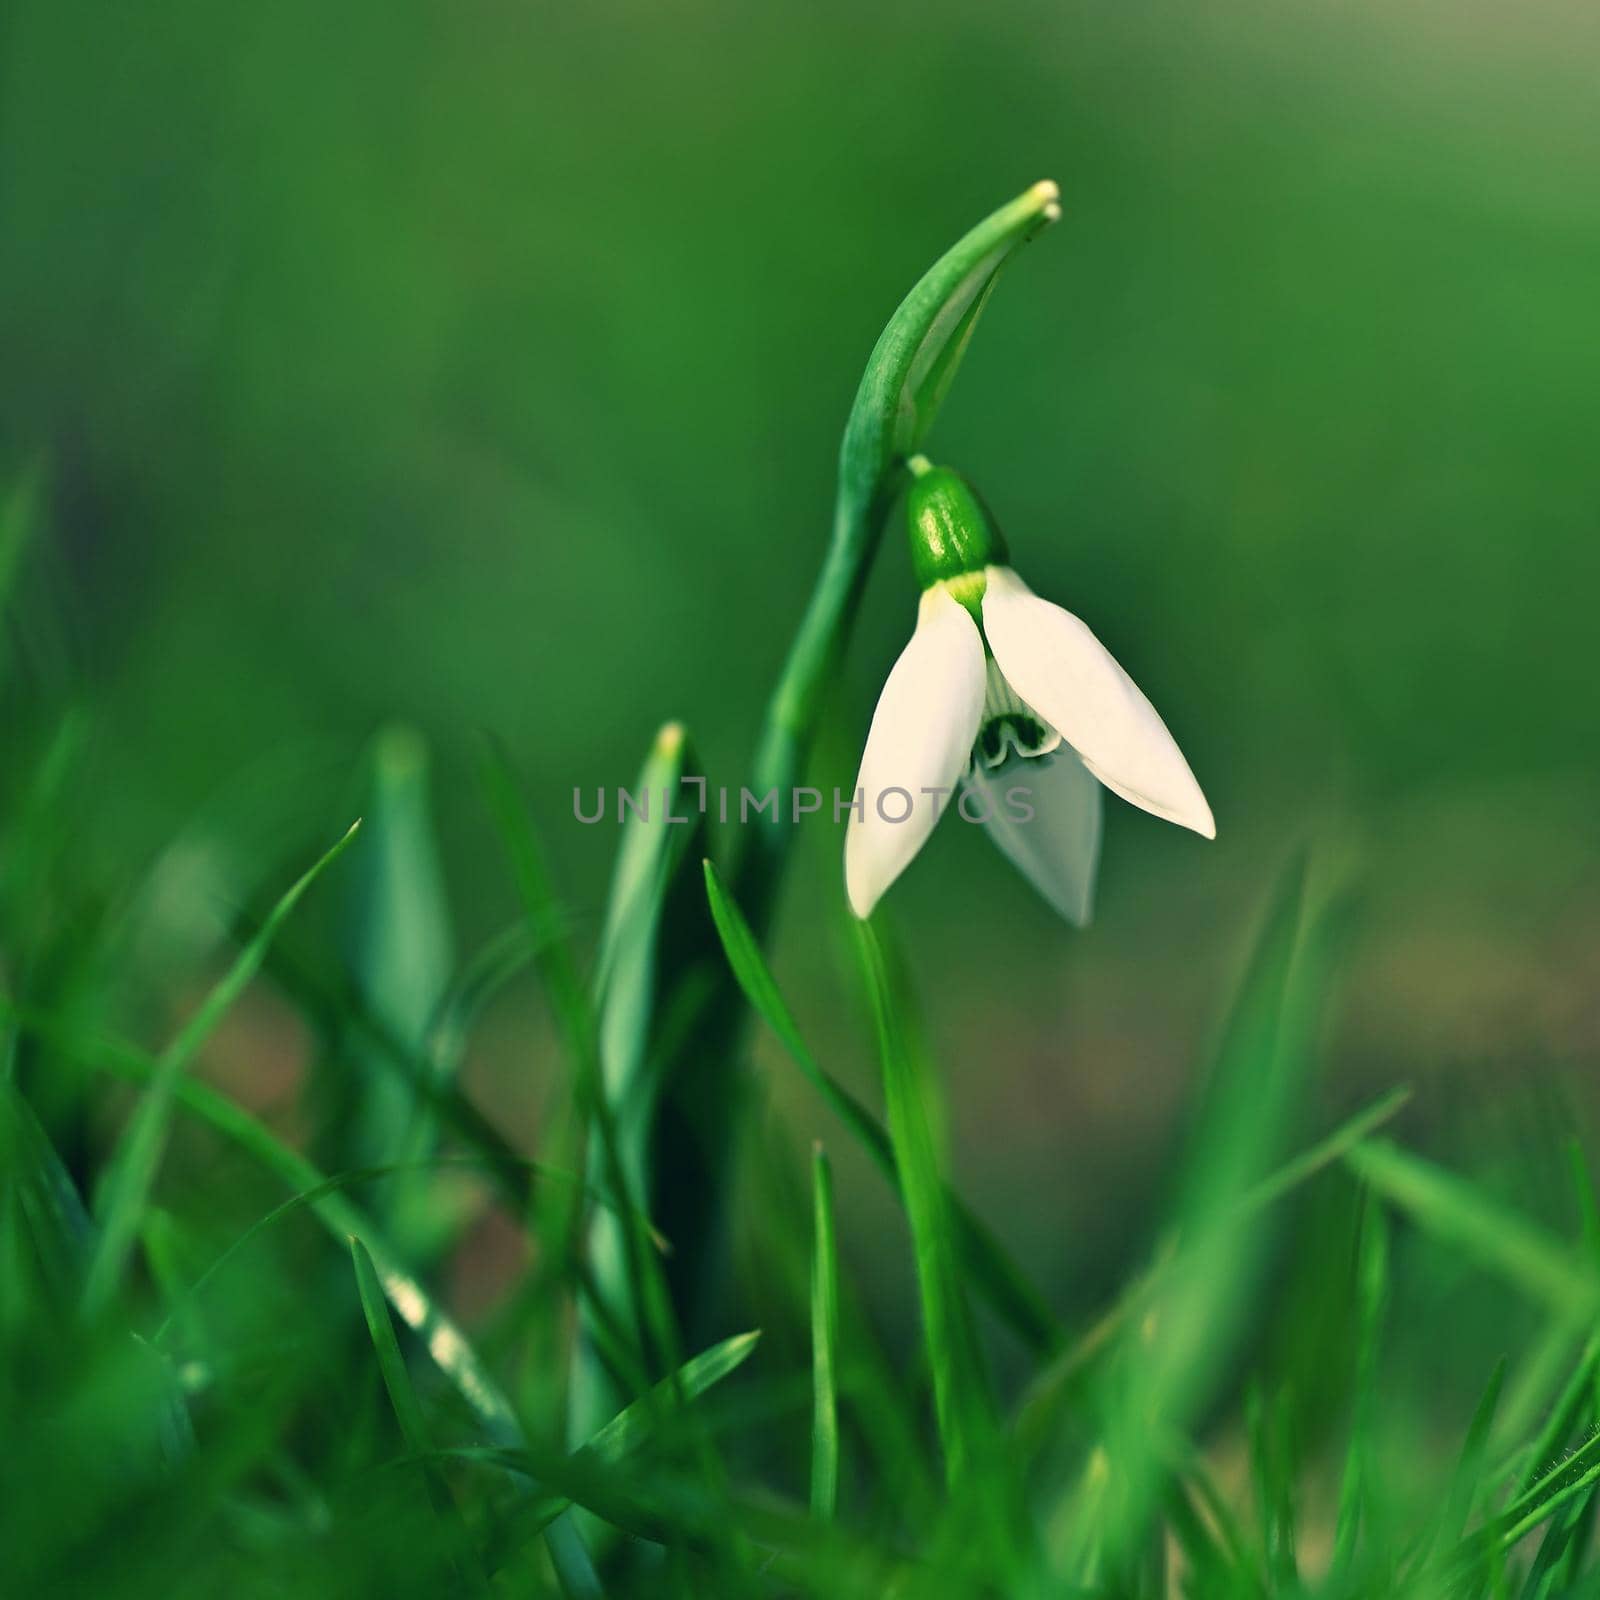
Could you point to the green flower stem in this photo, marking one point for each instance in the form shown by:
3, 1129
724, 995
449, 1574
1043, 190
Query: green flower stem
906, 379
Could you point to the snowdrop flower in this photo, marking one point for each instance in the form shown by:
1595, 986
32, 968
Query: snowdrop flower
1010, 704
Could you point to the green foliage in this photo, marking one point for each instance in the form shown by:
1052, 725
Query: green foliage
436, 1364
1110, 1480
824, 1344
132, 1166
993, 1273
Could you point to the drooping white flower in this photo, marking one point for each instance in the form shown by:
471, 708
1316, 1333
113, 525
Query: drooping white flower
1009, 707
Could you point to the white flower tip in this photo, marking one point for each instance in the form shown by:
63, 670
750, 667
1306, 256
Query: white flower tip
1046, 193
1196, 814
860, 888
669, 741
1188, 808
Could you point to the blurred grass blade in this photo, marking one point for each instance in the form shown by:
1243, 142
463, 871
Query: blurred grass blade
650, 1323
447, 1346
57, 1223
649, 848
1191, 1323
1466, 1482
960, 1392
1205, 1556
133, 1165
1273, 1472
575, 1570
413, 1426
1575, 1402
306, 1200
339, 1215
1050, 1387
37, 1187
1528, 1508
1558, 1486
36, 839
824, 1344
1357, 1491
1462, 1214
635, 1425
398, 951
1555, 1548
1584, 1195
654, 933
557, 1219
552, 948
993, 1272
1323, 1153
1191, 1467
482, 977
340, 1013
1568, 1495
631, 1426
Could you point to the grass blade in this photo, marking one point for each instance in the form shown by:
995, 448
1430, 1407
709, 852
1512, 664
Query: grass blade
1052, 1386
413, 1426
961, 1399
1576, 1399
824, 1344
993, 1273
655, 924
553, 953
440, 1337
398, 952
1466, 1481
1273, 1474
1192, 1320
1356, 1490
306, 1200
1461, 1214
339, 1013
58, 1226
651, 1326
630, 1427
134, 1164
1559, 1543
1583, 1194
337, 1214
634, 1426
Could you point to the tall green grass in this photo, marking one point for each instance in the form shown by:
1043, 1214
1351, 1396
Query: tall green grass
210, 1405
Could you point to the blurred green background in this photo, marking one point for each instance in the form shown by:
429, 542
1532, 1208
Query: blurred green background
482, 365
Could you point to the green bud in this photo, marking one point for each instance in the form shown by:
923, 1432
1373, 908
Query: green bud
953, 533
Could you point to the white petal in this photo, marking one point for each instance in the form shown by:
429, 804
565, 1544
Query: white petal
1058, 666
1057, 849
920, 738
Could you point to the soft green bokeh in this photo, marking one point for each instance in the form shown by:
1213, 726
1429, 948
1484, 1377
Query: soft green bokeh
482, 366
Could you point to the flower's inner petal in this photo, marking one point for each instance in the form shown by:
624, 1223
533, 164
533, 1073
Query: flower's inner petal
1009, 727
1044, 815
